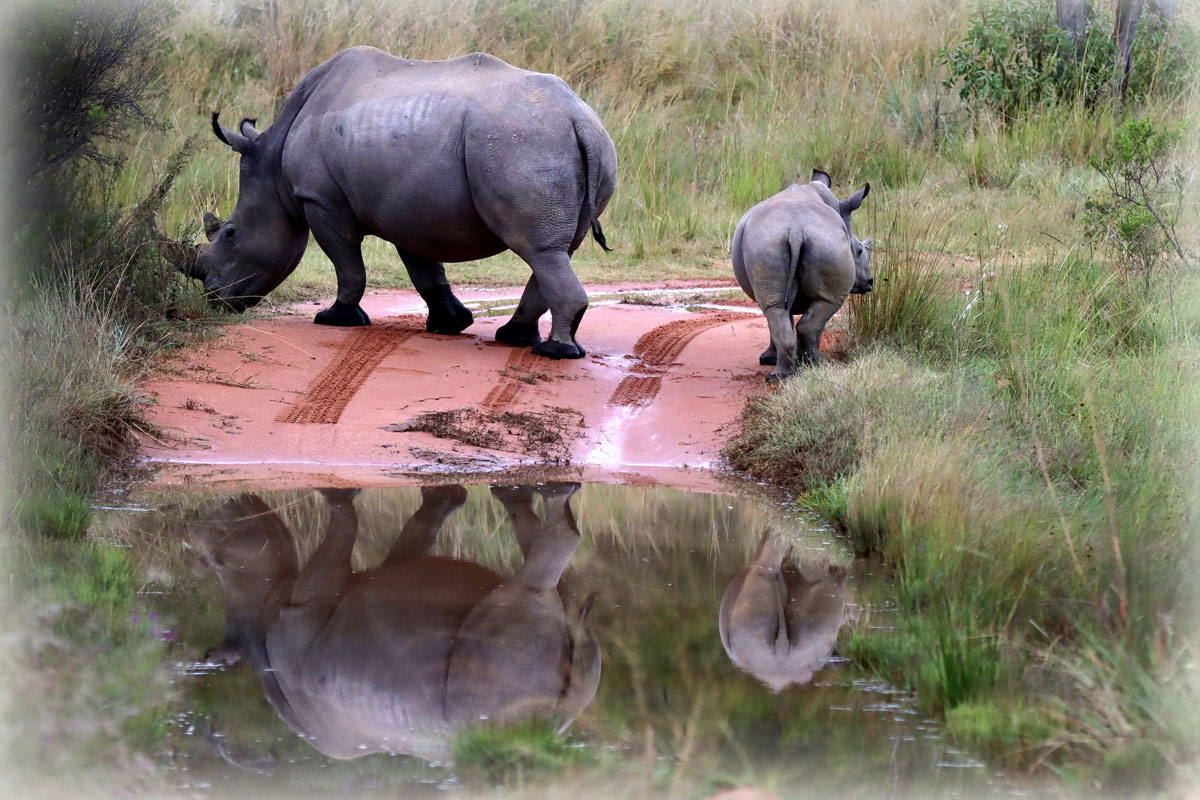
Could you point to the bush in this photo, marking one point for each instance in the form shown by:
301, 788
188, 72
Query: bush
1015, 58
1144, 198
92, 287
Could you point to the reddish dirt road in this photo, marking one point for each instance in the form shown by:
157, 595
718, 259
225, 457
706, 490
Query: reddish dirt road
293, 403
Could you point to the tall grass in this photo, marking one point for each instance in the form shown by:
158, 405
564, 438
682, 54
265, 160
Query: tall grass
712, 105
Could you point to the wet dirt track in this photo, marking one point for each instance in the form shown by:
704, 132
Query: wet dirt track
286, 400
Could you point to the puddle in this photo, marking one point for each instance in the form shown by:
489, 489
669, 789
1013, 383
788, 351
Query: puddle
554, 639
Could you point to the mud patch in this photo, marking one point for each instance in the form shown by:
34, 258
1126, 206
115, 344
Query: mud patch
545, 435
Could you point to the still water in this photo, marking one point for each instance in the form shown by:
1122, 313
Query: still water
536, 640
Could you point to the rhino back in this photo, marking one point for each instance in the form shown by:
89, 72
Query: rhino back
795, 239
385, 141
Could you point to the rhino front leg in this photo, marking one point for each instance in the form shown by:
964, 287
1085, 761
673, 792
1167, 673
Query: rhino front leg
447, 314
783, 342
345, 251
567, 300
522, 329
811, 326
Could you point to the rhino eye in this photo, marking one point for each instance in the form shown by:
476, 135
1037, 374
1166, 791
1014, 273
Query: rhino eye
229, 232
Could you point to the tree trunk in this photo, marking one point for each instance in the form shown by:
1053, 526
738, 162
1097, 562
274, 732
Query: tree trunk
1072, 18
1128, 14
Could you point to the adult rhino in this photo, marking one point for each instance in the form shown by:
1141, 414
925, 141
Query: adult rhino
780, 617
448, 160
796, 253
401, 657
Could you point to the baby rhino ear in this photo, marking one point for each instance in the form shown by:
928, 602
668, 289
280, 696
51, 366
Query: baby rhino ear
868, 242
851, 203
822, 177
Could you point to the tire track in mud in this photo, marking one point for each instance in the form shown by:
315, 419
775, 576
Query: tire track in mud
509, 386
506, 390
364, 349
657, 349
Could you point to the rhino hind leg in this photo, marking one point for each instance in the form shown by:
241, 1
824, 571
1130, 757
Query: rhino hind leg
783, 341
554, 269
768, 358
810, 327
522, 329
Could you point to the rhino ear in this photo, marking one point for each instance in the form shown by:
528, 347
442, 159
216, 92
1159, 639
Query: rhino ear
237, 141
868, 242
822, 177
246, 126
212, 224
852, 202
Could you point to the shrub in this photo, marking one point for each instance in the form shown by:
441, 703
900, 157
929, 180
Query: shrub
1141, 206
1015, 58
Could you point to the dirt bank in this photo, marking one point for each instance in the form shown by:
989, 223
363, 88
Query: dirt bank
293, 403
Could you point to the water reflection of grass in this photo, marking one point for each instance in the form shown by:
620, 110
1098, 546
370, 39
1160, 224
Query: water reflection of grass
87, 689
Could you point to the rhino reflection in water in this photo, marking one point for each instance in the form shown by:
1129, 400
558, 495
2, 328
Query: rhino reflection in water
780, 617
398, 658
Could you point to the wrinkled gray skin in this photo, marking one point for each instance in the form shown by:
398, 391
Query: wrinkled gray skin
448, 160
779, 620
399, 658
796, 254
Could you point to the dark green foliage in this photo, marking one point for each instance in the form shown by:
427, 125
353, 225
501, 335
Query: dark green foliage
83, 75
1015, 58
1144, 195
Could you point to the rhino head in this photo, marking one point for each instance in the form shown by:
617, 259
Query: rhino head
261, 243
860, 250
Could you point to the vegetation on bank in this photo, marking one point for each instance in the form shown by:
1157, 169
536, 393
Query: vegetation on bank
1021, 459
1018, 456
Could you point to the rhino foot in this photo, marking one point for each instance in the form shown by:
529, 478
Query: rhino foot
768, 357
518, 334
343, 315
450, 320
558, 489
776, 377
556, 350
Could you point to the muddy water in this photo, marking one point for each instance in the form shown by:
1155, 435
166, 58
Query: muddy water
546, 640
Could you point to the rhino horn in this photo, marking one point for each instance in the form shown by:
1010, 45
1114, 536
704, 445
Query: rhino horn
181, 254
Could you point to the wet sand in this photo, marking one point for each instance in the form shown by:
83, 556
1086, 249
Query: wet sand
286, 402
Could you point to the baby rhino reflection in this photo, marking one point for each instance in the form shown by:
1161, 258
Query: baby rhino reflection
779, 619
396, 659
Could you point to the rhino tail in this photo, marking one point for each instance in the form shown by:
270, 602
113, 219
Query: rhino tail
598, 235
595, 198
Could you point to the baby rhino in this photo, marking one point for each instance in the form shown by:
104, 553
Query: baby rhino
795, 253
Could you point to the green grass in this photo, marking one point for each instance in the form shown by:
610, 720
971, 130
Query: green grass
1027, 478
